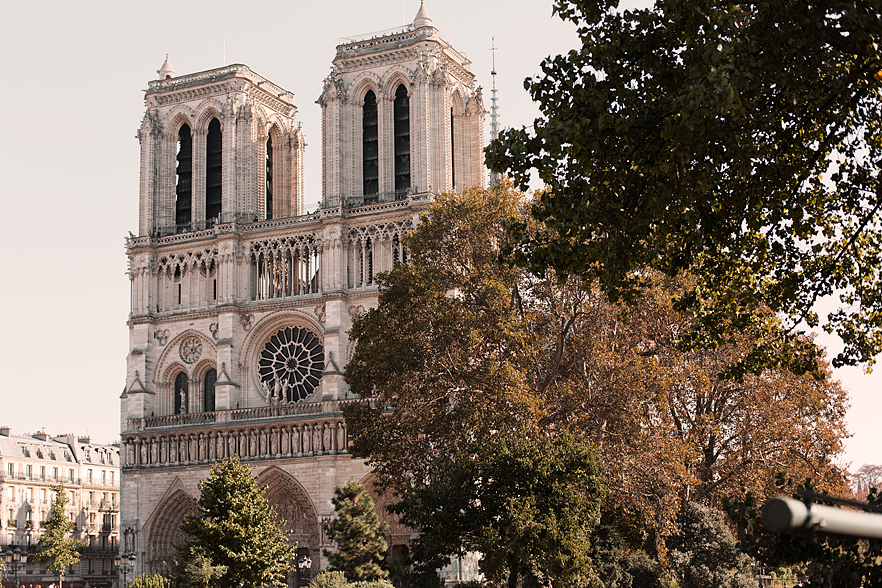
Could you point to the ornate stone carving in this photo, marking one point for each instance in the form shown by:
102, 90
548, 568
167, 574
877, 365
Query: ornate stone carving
191, 349
246, 319
161, 336
291, 365
213, 330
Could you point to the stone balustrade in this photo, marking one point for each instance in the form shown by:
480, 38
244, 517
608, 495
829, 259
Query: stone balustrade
251, 433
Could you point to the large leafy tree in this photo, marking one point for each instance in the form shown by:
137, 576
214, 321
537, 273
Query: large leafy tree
703, 552
235, 538
739, 141
462, 347
528, 505
358, 533
56, 545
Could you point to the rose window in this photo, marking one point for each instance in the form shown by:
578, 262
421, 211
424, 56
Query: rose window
291, 365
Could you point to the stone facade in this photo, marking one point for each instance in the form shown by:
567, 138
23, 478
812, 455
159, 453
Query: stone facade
241, 313
29, 466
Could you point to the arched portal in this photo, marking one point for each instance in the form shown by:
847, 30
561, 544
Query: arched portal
164, 531
294, 507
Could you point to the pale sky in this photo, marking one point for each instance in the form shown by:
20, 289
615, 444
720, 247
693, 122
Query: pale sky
75, 74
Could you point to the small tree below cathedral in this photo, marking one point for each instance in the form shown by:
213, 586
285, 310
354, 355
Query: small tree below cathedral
236, 539
56, 546
358, 533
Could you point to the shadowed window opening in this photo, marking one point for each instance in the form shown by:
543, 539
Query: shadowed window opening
181, 393
210, 381
401, 114
183, 191
269, 177
370, 146
213, 171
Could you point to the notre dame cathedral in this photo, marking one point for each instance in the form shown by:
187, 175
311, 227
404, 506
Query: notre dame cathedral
241, 303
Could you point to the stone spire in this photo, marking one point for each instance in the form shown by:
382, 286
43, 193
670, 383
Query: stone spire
166, 72
422, 18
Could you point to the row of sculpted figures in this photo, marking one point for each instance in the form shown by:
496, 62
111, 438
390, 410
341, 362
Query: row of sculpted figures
265, 441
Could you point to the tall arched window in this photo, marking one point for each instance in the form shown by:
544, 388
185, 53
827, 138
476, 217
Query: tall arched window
269, 177
210, 381
370, 146
181, 393
401, 114
452, 152
183, 191
213, 170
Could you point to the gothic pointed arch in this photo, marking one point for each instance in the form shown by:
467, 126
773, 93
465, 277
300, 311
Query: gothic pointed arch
294, 508
205, 112
163, 528
401, 130
370, 146
178, 116
398, 534
187, 349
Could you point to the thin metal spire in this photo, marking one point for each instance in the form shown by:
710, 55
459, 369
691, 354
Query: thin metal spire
494, 108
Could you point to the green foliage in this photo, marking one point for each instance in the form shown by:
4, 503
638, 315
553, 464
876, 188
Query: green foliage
619, 565
527, 505
56, 546
329, 579
468, 584
154, 580
371, 584
461, 347
738, 141
703, 553
235, 539
194, 568
358, 533
827, 562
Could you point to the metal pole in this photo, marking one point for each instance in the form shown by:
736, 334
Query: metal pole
787, 514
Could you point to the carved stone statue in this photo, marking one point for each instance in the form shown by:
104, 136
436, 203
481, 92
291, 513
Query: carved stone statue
316, 439
341, 438
326, 437
277, 388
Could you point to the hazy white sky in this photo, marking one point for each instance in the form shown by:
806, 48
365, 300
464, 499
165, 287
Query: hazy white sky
75, 72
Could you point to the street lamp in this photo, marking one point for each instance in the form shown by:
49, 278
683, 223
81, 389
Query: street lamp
126, 564
15, 561
303, 565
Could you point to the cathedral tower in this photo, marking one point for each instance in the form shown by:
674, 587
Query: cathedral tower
241, 304
408, 100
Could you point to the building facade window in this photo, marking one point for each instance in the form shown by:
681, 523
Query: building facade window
181, 391
370, 151
213, 171
269, 178
184, 189
210, 381
401, 114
